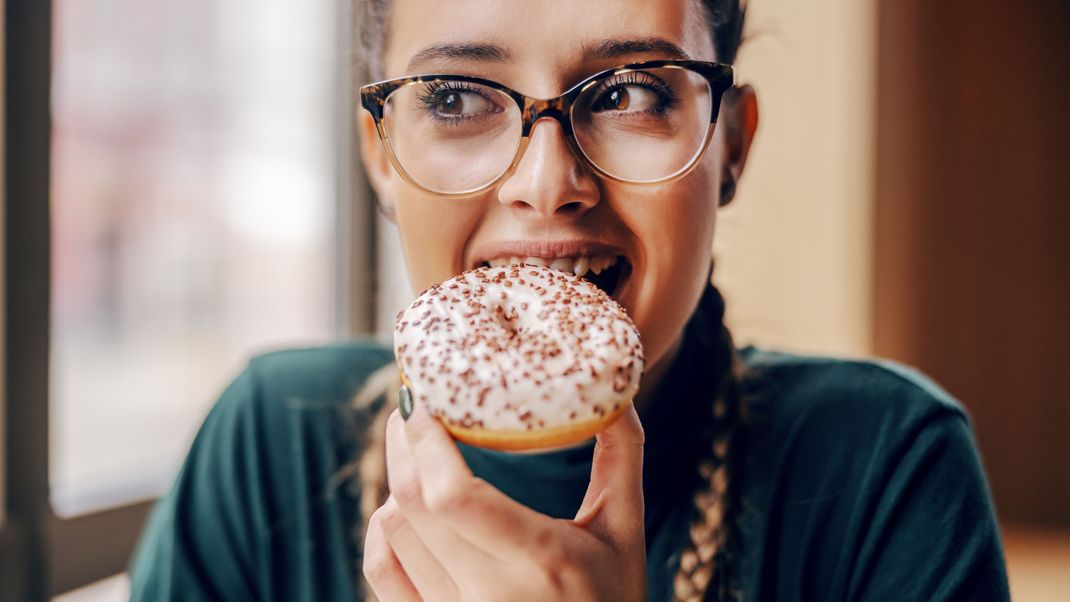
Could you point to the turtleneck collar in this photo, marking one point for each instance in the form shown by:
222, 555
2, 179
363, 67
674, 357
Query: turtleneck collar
554, 482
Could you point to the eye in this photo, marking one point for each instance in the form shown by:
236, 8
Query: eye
457, 101
628, 98
633, 94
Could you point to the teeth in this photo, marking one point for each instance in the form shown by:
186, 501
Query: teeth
600, 264
561, 263
577, 265
581, 266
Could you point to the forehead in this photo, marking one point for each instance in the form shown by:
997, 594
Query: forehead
551, 39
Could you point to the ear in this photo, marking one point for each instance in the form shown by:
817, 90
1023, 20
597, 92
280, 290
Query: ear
375, 161
740, 120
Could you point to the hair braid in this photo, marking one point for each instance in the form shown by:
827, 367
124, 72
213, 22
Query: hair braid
709, 546
372, 404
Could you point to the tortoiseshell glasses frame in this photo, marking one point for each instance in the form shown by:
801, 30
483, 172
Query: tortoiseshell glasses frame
719, 77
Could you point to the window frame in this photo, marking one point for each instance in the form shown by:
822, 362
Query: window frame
356, 234
23, 536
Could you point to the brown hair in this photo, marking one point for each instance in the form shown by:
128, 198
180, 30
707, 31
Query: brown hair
708, 550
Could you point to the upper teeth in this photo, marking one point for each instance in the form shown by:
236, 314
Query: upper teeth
576, 265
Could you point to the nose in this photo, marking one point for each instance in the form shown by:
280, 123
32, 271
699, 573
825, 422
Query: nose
550, 180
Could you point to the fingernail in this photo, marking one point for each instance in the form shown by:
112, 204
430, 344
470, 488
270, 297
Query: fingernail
405, 401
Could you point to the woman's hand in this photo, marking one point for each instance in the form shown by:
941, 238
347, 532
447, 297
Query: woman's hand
445, 534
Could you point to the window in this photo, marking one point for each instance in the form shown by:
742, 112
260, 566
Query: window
193, 206
181, 199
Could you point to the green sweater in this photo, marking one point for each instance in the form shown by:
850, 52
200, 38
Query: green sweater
860, 481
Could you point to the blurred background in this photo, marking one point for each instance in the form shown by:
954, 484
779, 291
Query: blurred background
181, 191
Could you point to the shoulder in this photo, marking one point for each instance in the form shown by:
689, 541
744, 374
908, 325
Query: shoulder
281, 388
824, 426
285, 404
298, 399
856, 398
259, 484
857, 468
325, 372
284, 424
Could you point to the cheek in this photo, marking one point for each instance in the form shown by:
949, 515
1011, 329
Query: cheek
674, 230
433, 234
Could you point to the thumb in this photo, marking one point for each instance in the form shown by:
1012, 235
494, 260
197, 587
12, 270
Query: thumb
613, 505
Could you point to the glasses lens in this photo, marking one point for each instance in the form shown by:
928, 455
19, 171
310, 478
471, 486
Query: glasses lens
452, 136
644, 125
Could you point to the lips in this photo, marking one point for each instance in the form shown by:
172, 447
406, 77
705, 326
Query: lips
605, 266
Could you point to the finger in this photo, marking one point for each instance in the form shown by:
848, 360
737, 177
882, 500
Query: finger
470, 506
613, 504
460, 558
422, 568
381, 567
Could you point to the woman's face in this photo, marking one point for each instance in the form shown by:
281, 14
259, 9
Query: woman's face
552, 205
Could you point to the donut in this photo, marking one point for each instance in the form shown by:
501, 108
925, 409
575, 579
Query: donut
519, 357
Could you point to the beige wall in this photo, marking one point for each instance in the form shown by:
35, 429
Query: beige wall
794, 251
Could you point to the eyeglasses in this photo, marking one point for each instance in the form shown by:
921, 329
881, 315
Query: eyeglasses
641, 123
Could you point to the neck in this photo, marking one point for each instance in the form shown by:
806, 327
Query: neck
652, 377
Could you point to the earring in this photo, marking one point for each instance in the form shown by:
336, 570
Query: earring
728, 192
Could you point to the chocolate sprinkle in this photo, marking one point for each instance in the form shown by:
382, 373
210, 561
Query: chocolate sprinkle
518, 349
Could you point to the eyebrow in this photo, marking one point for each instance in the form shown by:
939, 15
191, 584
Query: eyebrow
618, 47
485, 53
602, 49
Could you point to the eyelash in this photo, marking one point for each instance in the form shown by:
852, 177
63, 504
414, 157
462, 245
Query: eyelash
666, 95
430, 96
432, 90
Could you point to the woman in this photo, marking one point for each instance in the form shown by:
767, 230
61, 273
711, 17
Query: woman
764, 476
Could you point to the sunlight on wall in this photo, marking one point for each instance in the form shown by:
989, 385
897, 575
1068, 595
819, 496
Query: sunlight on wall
794, 250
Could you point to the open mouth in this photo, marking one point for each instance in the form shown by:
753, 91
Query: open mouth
607, 272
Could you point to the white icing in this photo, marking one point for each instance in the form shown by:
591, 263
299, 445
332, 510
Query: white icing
518, 347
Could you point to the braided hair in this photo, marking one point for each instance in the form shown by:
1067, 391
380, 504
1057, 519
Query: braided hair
708, 550
707, 555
